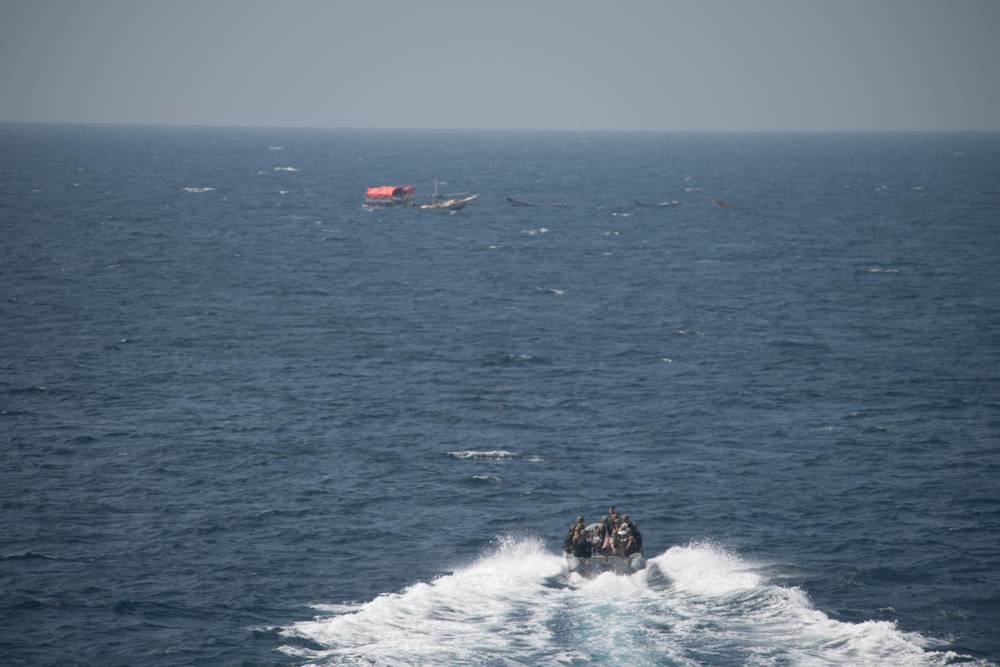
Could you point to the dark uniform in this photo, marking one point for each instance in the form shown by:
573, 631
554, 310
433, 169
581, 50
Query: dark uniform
582, 547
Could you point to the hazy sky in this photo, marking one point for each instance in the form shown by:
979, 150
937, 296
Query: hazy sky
506, 64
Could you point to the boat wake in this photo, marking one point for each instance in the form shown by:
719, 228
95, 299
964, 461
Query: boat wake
693, 605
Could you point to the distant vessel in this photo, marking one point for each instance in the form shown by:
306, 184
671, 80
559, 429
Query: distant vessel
403, 196
388, 196
455, 202
610, 545
449, 204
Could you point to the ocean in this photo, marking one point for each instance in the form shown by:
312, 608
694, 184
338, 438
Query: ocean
247, 422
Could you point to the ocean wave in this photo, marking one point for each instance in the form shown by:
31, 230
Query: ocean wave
493, 455
693, 605
491, 480
199, 189
27, 555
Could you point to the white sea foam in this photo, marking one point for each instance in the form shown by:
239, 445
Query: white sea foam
286, 169
199, 189
495, 455
693, 605
492, 479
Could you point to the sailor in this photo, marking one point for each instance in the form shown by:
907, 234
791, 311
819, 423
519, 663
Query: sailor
631, 537
581, 545
596, 539
626, 540
637, 536
571, 535
604, 535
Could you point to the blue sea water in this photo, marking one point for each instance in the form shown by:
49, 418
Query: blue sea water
246, 422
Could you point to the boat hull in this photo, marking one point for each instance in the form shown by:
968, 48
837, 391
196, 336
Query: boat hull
449, 205
595, 565
396, 202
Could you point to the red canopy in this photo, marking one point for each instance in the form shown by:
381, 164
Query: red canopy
387, 191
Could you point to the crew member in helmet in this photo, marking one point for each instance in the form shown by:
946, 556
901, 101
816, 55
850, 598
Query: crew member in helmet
577, 527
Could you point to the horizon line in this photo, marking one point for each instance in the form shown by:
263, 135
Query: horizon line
252, 126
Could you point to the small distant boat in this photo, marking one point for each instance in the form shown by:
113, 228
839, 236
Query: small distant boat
397, 196
604, 547
388, 196
455, 204
519, 202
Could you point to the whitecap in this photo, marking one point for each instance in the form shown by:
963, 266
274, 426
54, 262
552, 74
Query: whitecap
515, 604
286, 169
491, 479
495, 455
199, 189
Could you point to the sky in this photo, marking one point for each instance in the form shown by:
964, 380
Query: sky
661, 65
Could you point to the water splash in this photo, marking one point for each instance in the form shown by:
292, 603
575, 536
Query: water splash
693, 605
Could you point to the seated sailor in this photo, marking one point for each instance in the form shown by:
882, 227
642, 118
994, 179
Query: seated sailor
634, 543
577, 526
582, 547
603, 536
